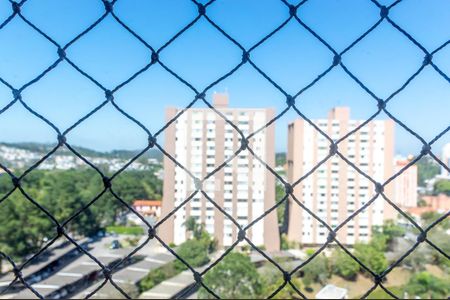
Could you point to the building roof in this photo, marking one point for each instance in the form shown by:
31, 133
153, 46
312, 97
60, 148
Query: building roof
331, 291
402, 161
147, 203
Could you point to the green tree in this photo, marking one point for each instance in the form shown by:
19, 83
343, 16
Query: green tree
391, 230
317, 270
441, 239
199, 233
431, 216
193, 227
235, 277
371, 257
63, 193
418, 259
287, 244
281, 209
427, 168
288, 292
421, 203
24, 228
344, 265
383, 236
379, 241
280, 159
442, 186
66, 192
194, 252
425, 285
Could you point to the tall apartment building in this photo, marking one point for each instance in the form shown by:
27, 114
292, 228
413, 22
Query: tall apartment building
405, 185
335, 190
201, 140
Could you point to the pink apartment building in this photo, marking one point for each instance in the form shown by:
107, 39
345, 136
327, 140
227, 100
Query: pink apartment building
201, 140
433, 203
335, 190
405, 185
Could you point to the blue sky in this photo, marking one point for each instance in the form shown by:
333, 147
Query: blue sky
293, 57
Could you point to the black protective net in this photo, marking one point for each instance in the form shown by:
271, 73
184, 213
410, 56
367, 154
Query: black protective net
336, 61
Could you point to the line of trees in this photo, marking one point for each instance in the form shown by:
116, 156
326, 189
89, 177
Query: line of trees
24, 228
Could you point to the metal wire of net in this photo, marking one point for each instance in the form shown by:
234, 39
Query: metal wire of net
335, 62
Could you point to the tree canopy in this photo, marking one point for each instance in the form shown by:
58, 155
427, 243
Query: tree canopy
427, 168
317, 270
344, 265
371, 257
24, 227
235, 277
442, 186
426, 285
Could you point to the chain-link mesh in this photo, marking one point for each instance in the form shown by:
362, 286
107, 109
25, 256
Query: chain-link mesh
335, 62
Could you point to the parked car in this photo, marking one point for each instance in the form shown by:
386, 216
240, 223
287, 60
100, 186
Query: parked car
115, 244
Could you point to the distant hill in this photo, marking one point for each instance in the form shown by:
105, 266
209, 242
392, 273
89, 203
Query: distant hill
121, 154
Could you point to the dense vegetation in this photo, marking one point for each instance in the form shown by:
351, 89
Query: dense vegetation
427, 168
24, 228
194, 251
442, 186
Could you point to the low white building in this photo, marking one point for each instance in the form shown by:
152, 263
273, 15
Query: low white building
331, 291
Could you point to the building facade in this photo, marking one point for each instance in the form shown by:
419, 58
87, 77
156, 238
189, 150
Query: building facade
405, 185
433, 203
201, 141
335, 190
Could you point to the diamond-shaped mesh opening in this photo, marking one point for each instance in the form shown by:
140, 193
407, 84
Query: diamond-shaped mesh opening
395, 53
75, 17
127, 59
201, 55
63, 85
129, 55
286, 70
26, 65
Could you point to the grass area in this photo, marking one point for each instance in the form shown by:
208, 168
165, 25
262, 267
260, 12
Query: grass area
435, 270
379, 293
355, 288
398, 276
130, 230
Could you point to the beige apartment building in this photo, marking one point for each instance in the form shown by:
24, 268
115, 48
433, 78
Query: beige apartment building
335, 190
405, 185
201, 140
